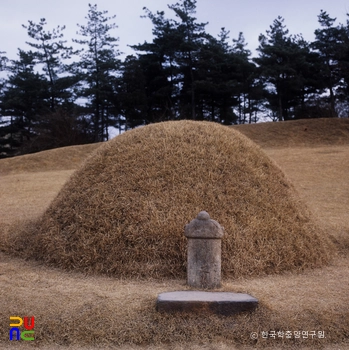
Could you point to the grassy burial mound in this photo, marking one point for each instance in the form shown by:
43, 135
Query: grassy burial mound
63, 158
298, 133
123, 212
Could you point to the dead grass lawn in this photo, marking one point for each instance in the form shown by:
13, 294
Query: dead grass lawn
100, 312
320, 175
64, 158
26, 195
123, 212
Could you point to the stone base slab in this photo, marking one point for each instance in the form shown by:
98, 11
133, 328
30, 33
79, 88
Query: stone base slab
223, 303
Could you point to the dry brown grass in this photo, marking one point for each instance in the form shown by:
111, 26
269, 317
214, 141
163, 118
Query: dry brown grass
31, 192
100, 312
72, 309
124, 211
320, 175
65, 158
298, 133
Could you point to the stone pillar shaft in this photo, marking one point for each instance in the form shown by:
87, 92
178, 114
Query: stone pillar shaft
204, 263
204, 252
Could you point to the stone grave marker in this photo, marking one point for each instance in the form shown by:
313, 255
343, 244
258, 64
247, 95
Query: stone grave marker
204, 272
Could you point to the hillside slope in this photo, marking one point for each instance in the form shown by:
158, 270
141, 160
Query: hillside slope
64, 158
123, 212
78, 312
298, 133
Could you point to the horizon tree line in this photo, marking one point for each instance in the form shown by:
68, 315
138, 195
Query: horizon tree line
183, 73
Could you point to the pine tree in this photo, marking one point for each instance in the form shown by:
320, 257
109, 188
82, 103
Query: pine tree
248, 88
284, 65
50, 51
191, 37
215, 85
131, 94
158, 61
343, 66
25, 98
328, 45
308, 84
3, 66
98, 68
3, 122
172, 58
3, 61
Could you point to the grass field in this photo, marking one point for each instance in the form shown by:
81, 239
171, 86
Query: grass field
88, 312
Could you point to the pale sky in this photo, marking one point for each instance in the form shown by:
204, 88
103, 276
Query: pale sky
252, 17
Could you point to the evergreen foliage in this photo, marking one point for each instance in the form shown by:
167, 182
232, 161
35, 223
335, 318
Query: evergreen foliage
97, 70
183, 73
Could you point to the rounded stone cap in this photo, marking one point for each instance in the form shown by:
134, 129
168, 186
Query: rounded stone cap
203, 227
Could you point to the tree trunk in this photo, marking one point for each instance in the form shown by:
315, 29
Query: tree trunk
193, 112
280, 117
